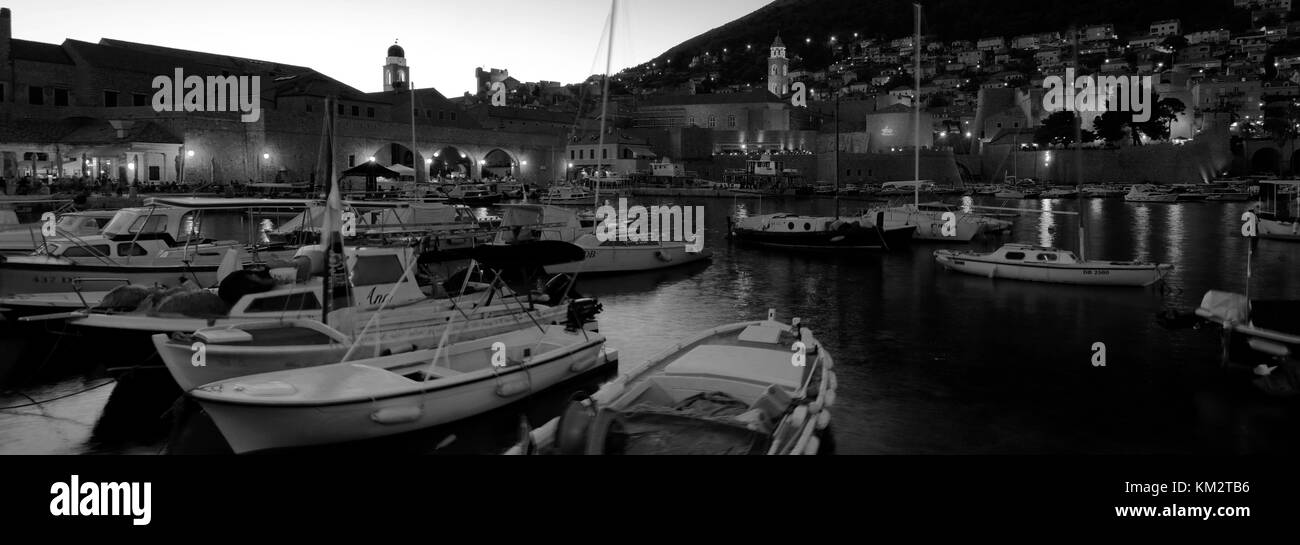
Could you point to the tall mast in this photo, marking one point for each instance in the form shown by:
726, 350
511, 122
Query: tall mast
1078, 161
604, 99
415, 159
916, 106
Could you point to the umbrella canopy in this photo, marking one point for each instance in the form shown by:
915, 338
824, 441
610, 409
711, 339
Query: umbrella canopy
371, 169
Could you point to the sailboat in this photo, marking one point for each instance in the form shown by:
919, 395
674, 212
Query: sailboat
624, 254
930, 220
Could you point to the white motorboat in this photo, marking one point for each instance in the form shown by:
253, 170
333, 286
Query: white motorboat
165, 242
736, 389
25, 239
615, 256
930, 221
1054, 265
397, 393
1150, 193
531, 222
1279, 210
568, 194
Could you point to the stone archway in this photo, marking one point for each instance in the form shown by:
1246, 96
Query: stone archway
497, 163
1265, 161
450, 161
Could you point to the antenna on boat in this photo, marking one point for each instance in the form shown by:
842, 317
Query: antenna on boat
1078, 162
916, 107
604, 101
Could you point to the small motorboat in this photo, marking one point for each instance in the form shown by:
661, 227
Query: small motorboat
1279, 210
569, 194
760, 387
397, 393
1039, 264
1150, 193
24, 239
1261, 341
929, 221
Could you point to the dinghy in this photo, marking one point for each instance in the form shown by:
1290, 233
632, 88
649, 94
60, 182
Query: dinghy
1038, 264
735, 389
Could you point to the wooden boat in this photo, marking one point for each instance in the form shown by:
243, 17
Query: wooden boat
820, 232
1038, 264
397, 393
735, 389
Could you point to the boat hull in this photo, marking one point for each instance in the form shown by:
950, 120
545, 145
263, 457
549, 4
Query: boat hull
854, 238
20, 278
250, 427
631, 259
1279, 230
1078, 274
223, 362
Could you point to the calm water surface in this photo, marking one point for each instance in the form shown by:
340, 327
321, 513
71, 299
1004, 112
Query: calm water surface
930, 361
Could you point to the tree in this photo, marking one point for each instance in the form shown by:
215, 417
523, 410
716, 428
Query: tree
1163, 115
1058, 128
1111, 124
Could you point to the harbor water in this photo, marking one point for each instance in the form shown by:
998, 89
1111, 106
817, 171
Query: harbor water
929, 361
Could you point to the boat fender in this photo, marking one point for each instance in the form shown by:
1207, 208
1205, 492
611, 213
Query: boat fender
396, 415
993, 272
823, 420
830, 398
663, 256
811, 448
573, 426
799, 416
817, 405
513, 388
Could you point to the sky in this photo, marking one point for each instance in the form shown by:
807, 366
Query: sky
553, 40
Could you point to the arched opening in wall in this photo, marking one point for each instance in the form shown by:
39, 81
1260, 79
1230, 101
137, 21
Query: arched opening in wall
497, 164
450, 162
1265, 161
1295, 163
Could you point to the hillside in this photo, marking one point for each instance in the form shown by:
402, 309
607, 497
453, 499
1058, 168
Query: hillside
796, 20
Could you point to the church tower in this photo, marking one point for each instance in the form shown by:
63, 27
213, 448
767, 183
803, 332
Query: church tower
778, 70
396, 74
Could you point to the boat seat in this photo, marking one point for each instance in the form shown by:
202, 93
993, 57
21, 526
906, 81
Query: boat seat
762, 334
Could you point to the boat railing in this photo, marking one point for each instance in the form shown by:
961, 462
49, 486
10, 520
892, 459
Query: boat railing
77, 284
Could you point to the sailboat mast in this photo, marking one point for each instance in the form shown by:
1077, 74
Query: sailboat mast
1078, 162
604, 98
415, 159
916, 106
328, 226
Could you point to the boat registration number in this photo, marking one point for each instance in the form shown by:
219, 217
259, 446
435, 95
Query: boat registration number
1097, 272
591, 254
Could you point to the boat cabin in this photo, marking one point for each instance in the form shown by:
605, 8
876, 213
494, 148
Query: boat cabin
1279, 200
1035, 254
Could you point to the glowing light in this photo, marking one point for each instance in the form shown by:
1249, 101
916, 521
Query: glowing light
523, 163
189, 153
130, 166
372, 158
266, 156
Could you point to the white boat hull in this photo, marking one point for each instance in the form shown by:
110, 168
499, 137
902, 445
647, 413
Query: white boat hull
223, 362
250, 422
1279, 230
1087, 273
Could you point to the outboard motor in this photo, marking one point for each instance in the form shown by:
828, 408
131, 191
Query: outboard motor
583, 312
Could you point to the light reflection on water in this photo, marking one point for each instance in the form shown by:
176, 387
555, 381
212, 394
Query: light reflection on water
929, 361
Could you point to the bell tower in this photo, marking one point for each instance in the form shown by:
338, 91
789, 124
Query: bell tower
778, 69
396, 73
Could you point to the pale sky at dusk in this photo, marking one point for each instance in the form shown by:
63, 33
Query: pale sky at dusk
554, 40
